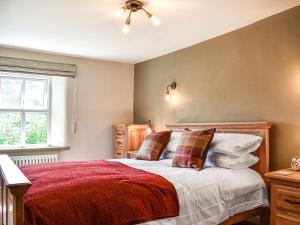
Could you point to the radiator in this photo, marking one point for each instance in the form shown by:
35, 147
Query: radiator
34, 159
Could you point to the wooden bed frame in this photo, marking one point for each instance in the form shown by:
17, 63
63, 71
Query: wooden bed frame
14, 183
256, 128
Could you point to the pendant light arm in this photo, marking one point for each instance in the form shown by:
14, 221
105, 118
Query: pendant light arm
128, 20
147, 13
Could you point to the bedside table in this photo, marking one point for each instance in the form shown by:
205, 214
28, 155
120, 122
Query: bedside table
131, 154
128, 138
285, 197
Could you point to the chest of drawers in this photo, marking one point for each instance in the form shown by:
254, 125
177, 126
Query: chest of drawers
285, 198
128, 138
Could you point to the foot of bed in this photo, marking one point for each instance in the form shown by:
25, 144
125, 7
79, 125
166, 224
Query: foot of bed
264, 218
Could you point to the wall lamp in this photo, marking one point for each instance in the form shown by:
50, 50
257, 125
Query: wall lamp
149, 129
173, 86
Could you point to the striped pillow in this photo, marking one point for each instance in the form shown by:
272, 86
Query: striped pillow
153, 145
192, 148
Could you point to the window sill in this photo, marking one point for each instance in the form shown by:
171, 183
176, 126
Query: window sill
33, 149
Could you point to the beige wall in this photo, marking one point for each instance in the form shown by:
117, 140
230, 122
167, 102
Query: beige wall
105, 96
251, 74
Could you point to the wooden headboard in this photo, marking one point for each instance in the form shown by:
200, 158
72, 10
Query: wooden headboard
256, 128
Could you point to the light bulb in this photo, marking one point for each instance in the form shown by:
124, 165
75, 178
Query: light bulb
126, 28
149, 130
120, 12
168, 97
155, 20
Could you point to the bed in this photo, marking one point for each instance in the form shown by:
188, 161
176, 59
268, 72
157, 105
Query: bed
211, 196
233, 206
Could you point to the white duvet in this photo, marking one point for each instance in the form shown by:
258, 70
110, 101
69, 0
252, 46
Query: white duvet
210, 196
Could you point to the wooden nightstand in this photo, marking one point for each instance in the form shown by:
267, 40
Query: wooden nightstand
131, 154
285, 197
128, 138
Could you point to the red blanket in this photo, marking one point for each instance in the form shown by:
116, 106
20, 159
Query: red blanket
94, 193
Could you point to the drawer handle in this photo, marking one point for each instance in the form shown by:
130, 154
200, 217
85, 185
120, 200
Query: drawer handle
119, 142
292, 201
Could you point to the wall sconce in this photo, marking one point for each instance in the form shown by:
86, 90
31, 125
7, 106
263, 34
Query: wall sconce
173, 86
149, 129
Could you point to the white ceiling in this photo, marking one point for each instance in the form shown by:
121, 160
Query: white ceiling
88, 28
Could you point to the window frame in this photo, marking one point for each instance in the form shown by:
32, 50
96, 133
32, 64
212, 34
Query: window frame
22, 111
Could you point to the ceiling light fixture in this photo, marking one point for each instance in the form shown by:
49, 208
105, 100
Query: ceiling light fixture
133, 6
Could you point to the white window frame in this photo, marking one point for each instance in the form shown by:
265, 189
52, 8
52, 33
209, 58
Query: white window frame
21, 110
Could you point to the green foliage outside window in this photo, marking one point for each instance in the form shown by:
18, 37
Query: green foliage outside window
36, 128
10, 128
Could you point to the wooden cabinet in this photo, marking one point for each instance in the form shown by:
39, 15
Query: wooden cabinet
131, 154
285, 197
128, 138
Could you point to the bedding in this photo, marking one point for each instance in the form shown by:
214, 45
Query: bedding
167, 155
96, 193
230, 162
209, 196
153, 145
174, 141
235, 144
192, 148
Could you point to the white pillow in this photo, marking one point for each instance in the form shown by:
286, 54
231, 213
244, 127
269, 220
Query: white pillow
167, 155
235, 144
230, 162
174, 141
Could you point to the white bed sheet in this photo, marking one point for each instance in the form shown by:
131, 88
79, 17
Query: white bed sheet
210, 196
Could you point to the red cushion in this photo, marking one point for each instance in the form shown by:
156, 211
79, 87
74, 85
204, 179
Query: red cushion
192, 148
153, 145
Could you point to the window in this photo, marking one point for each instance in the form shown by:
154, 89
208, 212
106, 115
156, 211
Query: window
24, 111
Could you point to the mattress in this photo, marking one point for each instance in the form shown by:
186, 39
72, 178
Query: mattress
209, 196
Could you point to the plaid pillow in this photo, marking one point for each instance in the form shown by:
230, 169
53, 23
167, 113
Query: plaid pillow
153, 145
192, 148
